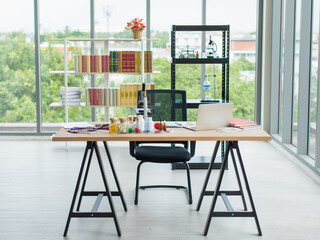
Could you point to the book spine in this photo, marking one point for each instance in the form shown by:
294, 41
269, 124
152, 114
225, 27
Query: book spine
118, 103
88, 63
84, 63
99, 63
76, 64
107, 63
92, 63
119, 61
80, 64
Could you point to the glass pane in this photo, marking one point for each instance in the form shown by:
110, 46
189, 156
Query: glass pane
17, 67
180, 12
296, 73
110, 24
283, 17
73, 22
314, 79
242, 20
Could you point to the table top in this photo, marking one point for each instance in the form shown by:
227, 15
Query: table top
175, 134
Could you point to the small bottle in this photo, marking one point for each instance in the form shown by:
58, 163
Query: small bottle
122, 125
197, 54
160, 125
150, 125
130, 125
141, 123
164, 126
113, 127
137, 128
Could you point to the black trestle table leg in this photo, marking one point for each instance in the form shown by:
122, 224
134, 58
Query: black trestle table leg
85, 179
238, 179
248, 189
204, 186
89, 146
218, 185
115, 176
95, 145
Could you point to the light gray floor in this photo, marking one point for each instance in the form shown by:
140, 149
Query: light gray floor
37, 180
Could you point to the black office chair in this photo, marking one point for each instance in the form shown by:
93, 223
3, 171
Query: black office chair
169, 105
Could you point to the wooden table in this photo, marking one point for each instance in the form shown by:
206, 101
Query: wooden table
177, 134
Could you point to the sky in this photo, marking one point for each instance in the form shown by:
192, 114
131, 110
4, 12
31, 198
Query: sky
18, 15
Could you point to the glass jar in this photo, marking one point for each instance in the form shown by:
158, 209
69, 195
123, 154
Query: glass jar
130, 125
122, 127
137, 127
113, 127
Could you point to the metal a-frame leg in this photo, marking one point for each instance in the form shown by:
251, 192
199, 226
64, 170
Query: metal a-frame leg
205, 184
217, 192
89, 146
248, 189
238, 179
94, 147
115, 177
84, 179
114, 216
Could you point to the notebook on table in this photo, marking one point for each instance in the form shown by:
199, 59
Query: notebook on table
212, 116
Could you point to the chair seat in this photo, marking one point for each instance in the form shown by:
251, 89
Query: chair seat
162, 154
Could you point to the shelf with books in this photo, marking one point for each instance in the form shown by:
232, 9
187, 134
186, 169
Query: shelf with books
107, 73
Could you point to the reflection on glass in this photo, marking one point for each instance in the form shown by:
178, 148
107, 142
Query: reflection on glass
17, 69
283, 17
296, 73
73, 22
314, 79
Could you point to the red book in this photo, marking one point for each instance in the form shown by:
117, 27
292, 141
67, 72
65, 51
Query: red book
107, 63
91, 96
96, 63
92, 63
237, 122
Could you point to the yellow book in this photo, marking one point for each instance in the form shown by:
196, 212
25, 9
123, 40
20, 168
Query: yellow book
118, 103
122, 94
135, 93
99, 63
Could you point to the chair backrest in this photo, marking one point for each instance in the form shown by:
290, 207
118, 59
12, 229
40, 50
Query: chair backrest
166, 104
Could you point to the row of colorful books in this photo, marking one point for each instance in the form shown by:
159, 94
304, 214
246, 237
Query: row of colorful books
118, 61
102, 96
130, 61
92, 63
126, 95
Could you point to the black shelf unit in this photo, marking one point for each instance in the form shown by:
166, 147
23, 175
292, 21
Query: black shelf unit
199, 162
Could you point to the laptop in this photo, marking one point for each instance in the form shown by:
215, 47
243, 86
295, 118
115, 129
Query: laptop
212, 116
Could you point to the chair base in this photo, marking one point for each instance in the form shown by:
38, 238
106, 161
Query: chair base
188, 189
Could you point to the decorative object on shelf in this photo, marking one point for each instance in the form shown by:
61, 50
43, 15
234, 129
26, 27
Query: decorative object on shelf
137, 26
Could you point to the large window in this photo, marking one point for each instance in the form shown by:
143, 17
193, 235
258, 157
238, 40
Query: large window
73, 22
17, 66
72, 19
296, 73
314, 78
241, 16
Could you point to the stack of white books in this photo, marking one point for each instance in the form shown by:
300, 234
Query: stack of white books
74, 95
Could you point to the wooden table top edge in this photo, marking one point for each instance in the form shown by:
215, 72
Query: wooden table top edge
177, 134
